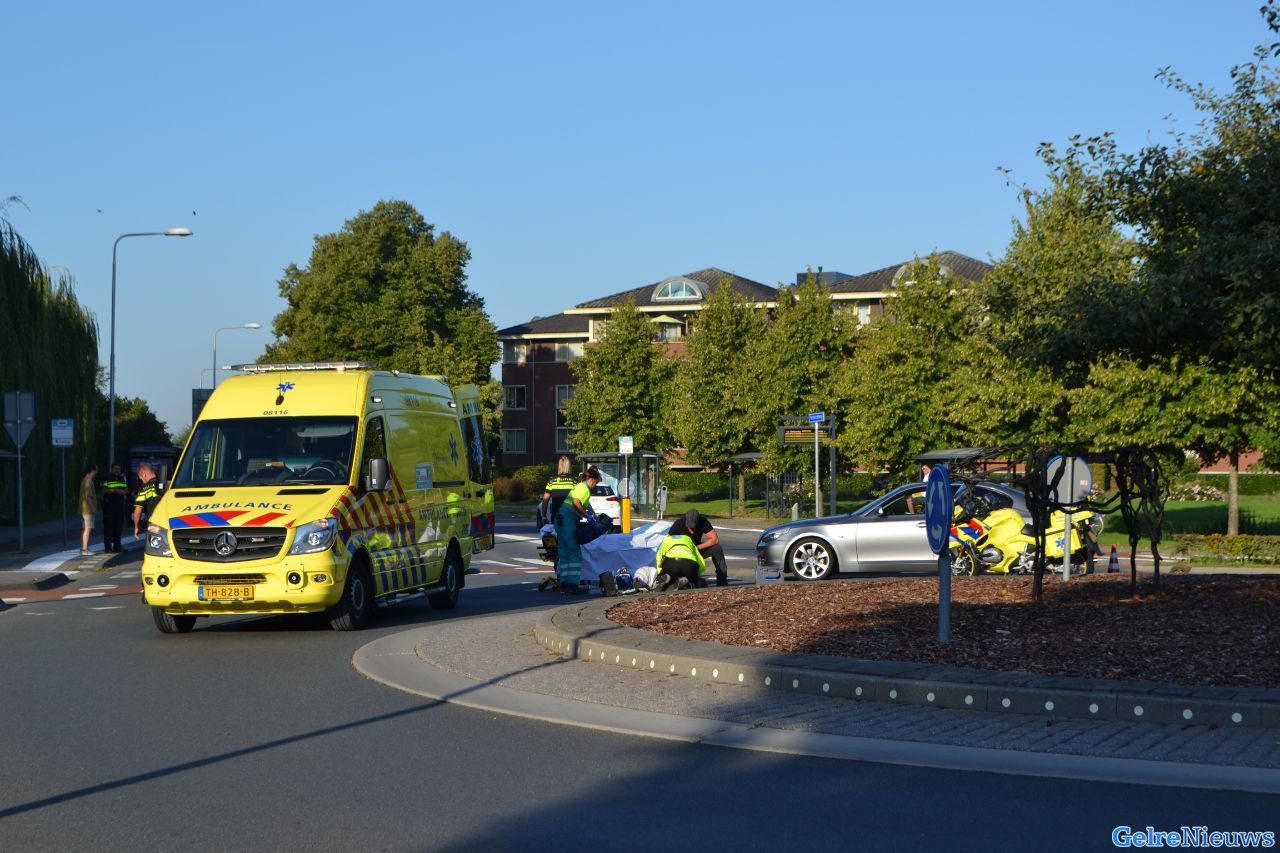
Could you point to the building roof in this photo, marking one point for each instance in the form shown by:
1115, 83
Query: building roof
753, 291
559, 324
881, 280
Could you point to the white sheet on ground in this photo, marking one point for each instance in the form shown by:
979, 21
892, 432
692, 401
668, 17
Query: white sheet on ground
616, 550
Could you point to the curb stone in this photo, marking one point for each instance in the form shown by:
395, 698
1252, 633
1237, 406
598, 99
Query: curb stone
584, 630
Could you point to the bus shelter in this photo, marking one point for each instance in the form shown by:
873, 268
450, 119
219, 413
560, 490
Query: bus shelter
631, 475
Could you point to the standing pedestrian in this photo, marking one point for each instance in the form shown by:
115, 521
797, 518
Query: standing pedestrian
115, 497
145, 501
88, 507
572, 510
698, 527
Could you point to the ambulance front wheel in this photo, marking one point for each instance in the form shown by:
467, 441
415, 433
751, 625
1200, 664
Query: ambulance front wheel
172, 623
355, 608
445, 597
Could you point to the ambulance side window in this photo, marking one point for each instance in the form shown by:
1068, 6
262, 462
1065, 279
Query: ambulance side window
375, 445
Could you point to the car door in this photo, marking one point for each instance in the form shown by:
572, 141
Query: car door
891, 536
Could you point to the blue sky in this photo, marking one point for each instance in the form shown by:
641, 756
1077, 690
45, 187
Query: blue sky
579, 149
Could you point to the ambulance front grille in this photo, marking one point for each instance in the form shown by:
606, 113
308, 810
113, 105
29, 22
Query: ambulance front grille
229, 544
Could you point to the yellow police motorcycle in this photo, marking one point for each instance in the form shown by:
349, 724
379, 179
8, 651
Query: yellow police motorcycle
1001, 542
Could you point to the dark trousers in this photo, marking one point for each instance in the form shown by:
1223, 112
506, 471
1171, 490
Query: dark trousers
112, 524
679, 567
715, 556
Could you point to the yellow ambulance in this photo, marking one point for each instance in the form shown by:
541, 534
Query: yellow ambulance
320, 487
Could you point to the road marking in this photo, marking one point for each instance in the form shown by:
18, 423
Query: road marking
12, 600
37, 613
109, 607
101, 586
83, 595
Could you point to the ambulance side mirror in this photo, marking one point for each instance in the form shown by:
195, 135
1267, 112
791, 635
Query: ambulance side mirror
379, 476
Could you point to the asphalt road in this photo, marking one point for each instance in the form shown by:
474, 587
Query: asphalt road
257, 734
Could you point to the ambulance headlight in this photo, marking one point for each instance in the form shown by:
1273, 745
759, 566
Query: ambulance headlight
156, 541
314, 537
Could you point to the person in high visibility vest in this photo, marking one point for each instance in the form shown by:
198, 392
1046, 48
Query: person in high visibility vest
557, 489
680, 563
115, 495
573, 510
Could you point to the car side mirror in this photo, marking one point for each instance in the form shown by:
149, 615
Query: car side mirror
379, 477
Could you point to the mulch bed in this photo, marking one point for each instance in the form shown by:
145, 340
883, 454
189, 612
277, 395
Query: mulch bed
1200, 631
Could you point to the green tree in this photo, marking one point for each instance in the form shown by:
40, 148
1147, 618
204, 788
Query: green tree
623, 387
790, 370
136, 425
925, 376
707, 418
1067, 287
388, 289
1173, 404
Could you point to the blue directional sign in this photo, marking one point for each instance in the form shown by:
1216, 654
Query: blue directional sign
938, 506
817, 417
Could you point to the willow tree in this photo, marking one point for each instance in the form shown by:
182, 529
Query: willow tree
49, 346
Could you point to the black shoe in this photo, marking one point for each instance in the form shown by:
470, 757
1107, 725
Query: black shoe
722, 581
682, 583
661, 582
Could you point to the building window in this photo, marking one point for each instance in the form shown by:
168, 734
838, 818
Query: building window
564, 393
513, 397
677, 288
513, 441
569, 351
598, 329
513, 353
564, 440
667, 328
864, 313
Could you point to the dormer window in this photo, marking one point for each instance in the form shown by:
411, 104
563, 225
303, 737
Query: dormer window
677, 288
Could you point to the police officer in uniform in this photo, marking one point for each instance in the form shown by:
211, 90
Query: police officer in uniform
557, 489
145, 501
115, 497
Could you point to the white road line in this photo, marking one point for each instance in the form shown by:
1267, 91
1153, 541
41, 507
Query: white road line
531, 560
84, 595
109, 607
11, 599
100, 586
37, 613
493, 564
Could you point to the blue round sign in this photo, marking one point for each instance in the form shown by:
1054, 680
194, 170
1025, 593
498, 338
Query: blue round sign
938, 506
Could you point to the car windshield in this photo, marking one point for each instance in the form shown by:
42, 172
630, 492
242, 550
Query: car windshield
268, 452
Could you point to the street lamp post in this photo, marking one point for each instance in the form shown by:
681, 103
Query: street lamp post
111, 399
214, 383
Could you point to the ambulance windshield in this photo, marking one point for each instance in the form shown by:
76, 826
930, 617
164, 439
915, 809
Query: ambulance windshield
268, 452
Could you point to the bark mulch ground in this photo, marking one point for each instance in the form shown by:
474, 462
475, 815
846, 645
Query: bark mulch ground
1200, 631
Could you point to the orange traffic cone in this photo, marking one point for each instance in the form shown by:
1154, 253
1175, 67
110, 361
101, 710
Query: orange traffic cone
1114, 564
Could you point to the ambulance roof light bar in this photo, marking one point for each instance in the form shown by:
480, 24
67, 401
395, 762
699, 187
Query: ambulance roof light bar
305, 365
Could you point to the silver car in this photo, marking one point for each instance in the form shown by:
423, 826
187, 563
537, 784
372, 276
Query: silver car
885, 535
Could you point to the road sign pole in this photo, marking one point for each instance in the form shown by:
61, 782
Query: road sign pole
817, 419
62, 480
22, 544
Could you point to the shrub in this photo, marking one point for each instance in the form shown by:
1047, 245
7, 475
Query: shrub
506, 489
1195, 492
1250, 484
532, 479
1229, 549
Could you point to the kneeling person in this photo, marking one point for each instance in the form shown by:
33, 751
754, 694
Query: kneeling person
679, 563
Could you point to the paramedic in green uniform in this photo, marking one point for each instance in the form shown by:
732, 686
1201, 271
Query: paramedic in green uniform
573, 510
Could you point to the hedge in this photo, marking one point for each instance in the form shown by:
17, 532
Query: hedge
1232, 549
1250, 484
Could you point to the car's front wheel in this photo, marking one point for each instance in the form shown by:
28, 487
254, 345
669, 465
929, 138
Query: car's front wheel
812, 560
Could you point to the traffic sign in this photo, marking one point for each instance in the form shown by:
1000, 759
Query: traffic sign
63, 432
817, 417
19, 415
1073, 483
626, 444
938, 507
